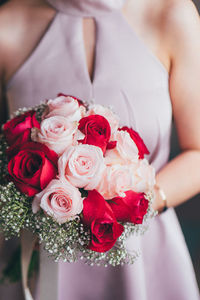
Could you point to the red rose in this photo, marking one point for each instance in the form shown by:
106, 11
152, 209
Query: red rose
80, 102
132, 208
33, 167
98, 216
137, 140
16, 126
97, 131
22, 139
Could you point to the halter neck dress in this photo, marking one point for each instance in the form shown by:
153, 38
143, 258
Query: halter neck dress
134, 82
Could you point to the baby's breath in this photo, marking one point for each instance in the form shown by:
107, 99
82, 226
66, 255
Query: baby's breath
66, 241
14, 210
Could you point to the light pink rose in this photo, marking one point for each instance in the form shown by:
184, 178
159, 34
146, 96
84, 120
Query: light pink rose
107, 113
56, 132
67, 107
144, 175
125, 151
60, 200
82, 166
116, 181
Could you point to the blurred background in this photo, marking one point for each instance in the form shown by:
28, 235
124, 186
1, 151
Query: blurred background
189, 212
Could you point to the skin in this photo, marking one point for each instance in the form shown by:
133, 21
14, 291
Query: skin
171, 30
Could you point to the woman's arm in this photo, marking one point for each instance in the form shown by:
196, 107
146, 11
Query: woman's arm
180, 178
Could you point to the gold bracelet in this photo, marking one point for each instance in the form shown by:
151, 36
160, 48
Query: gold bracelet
163, 197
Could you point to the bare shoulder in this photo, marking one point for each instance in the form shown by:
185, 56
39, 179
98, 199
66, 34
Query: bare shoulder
179, 11
16, 17
181, 25
165, 25
22, 23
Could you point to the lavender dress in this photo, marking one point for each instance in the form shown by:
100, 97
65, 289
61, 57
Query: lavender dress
131, 79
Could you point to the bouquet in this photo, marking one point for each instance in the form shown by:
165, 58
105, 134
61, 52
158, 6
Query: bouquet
75, 178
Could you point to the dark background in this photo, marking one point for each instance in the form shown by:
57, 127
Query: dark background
189, 212
189, 218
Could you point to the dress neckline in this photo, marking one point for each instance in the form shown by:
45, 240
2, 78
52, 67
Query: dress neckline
86, 8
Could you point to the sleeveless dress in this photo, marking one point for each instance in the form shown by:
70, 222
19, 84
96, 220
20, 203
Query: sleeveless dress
134, 82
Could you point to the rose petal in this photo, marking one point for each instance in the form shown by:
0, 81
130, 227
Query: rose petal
47, 173
120, 209
27, 189
93, 207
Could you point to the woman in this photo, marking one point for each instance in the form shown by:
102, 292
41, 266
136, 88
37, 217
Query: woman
144, 57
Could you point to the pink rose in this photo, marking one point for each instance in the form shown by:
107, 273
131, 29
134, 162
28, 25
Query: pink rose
142, 148
107, 113
80, 102
82, 165
125, 151
66, 106
144, 175
55, 132
116, 181
60, 200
